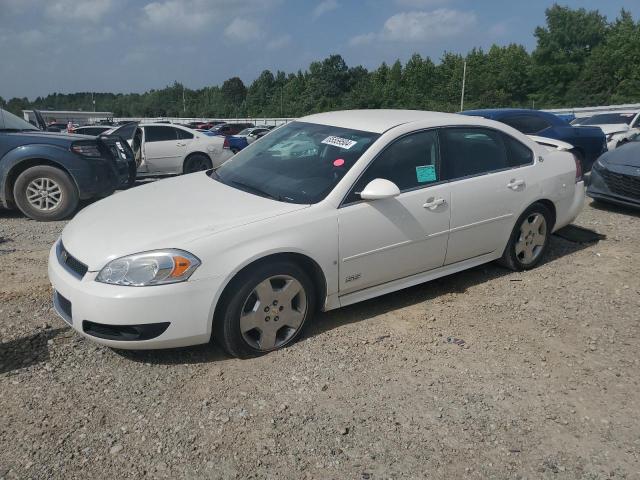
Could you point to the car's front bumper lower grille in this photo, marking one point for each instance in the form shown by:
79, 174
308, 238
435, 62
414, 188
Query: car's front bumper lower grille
623, 185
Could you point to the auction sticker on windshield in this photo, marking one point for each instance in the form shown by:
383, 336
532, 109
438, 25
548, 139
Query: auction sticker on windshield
339, 142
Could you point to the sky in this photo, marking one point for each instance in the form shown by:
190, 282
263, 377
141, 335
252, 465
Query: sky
135, 45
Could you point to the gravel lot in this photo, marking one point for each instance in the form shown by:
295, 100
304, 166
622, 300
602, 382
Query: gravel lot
545, 385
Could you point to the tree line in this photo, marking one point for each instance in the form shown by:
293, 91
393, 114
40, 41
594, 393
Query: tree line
580, 59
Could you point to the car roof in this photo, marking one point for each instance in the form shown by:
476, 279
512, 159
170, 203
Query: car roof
379, 121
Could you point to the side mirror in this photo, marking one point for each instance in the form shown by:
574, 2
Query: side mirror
378, 189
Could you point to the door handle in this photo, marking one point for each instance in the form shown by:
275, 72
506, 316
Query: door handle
433, 203
180, 144
515, 184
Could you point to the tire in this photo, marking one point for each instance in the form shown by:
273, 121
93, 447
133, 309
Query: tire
234, 150
61, 198
528, 243
197, 163
248, 326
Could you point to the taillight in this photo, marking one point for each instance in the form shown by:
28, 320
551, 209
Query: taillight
226, 143
578, 169
86, 149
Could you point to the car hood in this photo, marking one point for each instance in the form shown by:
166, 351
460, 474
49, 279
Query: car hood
628, 155
56, 138
165, 214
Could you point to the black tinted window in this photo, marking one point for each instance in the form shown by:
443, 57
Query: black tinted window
518, 153
471, 151
409, 162
160, 134
526, 123
183, 134
126, 131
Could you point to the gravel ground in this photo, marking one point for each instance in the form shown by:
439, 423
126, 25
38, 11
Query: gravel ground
544, 386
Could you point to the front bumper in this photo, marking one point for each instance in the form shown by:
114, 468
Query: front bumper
623, 188
187, 307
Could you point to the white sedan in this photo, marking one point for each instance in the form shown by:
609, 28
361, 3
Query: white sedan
619, 127
168, 149
369, 202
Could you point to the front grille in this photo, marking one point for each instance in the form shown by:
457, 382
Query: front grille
70, 263
623, 185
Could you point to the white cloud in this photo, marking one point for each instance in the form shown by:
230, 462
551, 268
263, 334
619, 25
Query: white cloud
70, 10
419, 27
423, 26
364, 39
324, 7
422, 3
176, 15
196, 16
242, 30
278, 43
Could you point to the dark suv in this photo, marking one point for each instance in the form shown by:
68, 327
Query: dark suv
46, 174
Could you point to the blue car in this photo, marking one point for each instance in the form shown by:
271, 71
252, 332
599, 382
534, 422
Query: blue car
45, 174
589, 142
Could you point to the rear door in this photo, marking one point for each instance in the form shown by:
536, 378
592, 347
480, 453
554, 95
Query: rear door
488, 173
163, 149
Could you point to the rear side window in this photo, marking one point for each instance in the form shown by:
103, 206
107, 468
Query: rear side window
518, 153
160, 134
409, 162
183, 134
527, 124
471, 151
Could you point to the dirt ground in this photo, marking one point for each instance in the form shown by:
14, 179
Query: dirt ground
546, 384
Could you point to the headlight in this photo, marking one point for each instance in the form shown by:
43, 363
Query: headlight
157, 267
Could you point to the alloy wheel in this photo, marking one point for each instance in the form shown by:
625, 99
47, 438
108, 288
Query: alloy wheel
273, 312
45, 194
532, 238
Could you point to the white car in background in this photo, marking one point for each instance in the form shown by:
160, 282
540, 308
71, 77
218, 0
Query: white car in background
168, 149
373, 202
619, 127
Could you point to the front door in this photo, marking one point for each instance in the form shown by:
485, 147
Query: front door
384, 240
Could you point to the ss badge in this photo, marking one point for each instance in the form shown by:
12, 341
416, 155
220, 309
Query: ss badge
353, 277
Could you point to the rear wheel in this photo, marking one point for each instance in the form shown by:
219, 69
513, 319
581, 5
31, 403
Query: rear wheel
45, 193
197, 163
267, 309
529, 239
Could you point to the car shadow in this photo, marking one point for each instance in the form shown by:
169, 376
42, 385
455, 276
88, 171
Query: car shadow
614, 208
26, 351
456, 283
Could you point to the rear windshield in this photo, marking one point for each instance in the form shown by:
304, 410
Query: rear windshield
609, 119
9, 121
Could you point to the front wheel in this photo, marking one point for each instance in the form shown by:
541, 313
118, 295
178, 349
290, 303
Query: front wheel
45, 193
197, 163
267, 308
529, 239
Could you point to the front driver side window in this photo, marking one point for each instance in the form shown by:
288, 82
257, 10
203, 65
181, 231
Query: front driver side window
410, 162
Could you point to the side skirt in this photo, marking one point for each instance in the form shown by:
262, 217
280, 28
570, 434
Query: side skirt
411, 281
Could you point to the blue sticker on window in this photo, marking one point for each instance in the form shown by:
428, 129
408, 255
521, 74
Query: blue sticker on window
426, 173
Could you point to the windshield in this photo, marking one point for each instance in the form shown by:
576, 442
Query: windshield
9, 121
298, 163
609, 119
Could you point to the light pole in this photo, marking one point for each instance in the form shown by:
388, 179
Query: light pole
464, 79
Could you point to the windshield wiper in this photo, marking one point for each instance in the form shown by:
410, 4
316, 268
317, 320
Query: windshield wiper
257, 191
